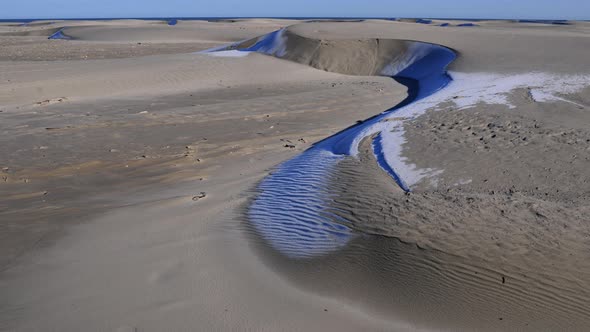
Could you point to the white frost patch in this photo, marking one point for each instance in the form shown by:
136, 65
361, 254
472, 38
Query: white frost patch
466, 90
229, 54
463, 182
542, 96
392, 141
214, 49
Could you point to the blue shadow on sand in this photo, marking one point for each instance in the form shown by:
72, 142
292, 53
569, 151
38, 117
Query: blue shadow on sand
291, 211
59, 35
423, 21
554, 22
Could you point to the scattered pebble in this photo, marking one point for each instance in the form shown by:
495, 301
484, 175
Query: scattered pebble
199, 196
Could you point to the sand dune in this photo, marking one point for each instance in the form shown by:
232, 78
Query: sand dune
158, 129
122, 38
127, 178
30, 82
512, 231
520, 50
182, 32
350, 57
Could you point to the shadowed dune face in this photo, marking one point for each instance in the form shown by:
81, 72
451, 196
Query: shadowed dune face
350, 57
361, 57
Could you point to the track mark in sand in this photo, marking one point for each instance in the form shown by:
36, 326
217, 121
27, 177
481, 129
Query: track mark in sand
126, 329
166, 274
52, 101
200, 196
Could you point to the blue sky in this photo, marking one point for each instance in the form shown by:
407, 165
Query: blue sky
550, 9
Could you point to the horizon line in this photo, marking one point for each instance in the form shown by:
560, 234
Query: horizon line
280, 17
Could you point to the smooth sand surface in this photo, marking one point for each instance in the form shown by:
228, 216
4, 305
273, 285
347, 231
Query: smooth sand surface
122, 38
127, 168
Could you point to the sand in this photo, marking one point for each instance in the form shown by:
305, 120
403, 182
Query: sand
506, 194
127, 169
122, 38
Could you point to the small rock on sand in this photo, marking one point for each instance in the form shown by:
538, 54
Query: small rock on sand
201, 195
